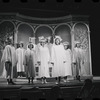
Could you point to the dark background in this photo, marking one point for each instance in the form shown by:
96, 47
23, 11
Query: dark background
52, 8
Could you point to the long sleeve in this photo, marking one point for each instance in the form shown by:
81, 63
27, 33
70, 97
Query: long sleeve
38, 56
52, 54
25, 62
3, 56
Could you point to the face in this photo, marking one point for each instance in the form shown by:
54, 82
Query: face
57, 41
43, 43
21, 45
30, 46
78, 45
65, 47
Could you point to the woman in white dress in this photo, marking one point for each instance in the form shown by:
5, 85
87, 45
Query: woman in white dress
43, 58
58, 59
20, 53
68, 62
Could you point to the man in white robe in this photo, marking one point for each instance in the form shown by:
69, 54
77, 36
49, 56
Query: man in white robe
9, 59
68, 62
43, 58
49, 45
58, 59
20, 53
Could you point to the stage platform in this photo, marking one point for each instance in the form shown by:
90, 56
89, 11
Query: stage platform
38, 91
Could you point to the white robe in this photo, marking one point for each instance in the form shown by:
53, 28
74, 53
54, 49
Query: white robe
9, 54
20, 53
44, 57
58, 58
67, 64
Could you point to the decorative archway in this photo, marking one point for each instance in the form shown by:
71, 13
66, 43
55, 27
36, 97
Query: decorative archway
43, 30
81, 33
25, 31
63, 30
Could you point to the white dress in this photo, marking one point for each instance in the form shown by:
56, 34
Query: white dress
67, 64
44, 57
20, 53
58, 58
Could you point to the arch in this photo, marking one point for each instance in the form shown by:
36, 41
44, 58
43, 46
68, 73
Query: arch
81, 23
25, 31
26, 24
8, 21
64, 30
43, 30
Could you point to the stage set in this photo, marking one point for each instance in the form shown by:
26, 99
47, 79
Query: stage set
71, 28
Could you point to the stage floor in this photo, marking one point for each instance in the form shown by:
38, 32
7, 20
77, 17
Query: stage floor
50, 82
26, 91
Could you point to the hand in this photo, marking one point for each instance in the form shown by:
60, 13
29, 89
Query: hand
52, 63
39, 63
64, 62
74, 63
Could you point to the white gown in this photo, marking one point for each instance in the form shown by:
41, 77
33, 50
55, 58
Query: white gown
20, 53
67, 64
44, 57
58, 58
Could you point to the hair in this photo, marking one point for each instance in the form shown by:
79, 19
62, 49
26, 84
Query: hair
56, 39
31, 45
22, 44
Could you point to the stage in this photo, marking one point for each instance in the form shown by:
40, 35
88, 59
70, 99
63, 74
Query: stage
37, 91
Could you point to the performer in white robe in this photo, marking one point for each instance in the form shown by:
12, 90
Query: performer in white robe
49, 45
58, 59
43, 58
30, 61
68, 62
9, 59
20, 53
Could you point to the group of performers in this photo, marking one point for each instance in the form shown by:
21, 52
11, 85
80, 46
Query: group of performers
44, 55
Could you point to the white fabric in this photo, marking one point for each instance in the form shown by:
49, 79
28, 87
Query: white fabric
58, 58
44, 57
20, 53
9, 54
67, 64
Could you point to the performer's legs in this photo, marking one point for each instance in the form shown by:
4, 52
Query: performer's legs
78, 71
32, 79
59, 79
65, 79
45, 80
42, 80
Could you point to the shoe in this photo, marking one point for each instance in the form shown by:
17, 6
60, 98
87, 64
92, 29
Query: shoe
56, 83
28, 80
65, 81
45, 81
11, 82
7, 81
